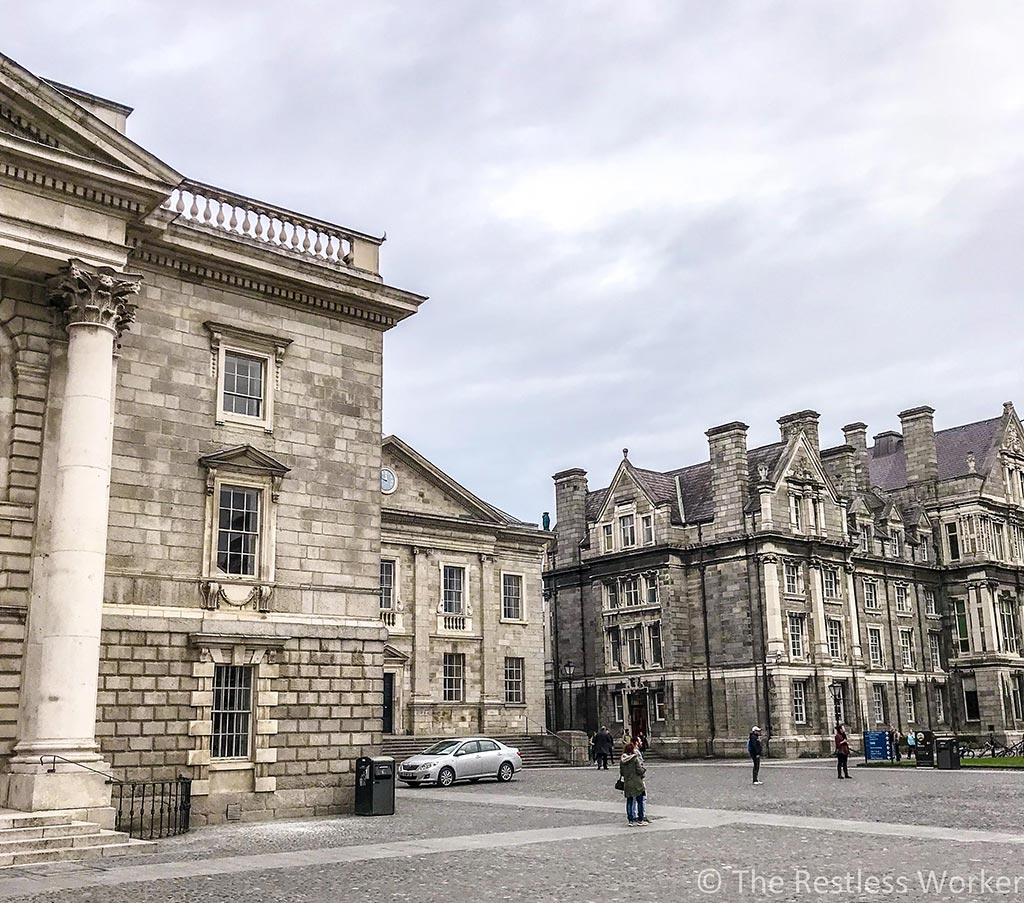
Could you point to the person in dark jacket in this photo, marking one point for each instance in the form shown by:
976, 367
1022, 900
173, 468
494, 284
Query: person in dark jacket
642, 743
754, 750
842, 751
632, 771
603, 747
894, 744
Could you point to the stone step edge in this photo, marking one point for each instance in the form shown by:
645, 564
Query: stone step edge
59, 841
66, 854
44, 832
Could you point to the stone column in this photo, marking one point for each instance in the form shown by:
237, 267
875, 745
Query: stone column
773, 607
490, 699
818, 609
424, 624
57, 714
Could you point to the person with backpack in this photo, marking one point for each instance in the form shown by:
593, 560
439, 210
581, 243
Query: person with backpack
754, 750
631, 776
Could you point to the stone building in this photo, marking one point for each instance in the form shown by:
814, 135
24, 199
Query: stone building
790, 587
461, 595
190, 421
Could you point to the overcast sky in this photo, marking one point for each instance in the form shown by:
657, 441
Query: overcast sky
634, 220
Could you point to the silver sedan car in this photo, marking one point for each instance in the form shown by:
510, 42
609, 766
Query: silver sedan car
461, 759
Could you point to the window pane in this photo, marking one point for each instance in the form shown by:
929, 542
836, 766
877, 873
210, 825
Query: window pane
238, 541
232, 711
512, 597
243, 384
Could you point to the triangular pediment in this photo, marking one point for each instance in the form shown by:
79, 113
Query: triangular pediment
859, 508
50, 117
1013, 433
422, 487
624, 481
391, 654
244, 458
801, 463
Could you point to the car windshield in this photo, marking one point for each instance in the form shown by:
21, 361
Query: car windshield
439, 749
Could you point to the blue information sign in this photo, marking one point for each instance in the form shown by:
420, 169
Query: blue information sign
876, 746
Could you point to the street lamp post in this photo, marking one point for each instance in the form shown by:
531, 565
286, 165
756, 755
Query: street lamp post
570, 670
836, 689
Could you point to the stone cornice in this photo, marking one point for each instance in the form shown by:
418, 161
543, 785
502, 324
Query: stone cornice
331, 303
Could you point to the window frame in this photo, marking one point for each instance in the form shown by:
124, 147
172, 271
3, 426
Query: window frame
907, 656
464, 591
266, 554
452, 682
935, 649
901, 592
799, 693
657, 648
630, 589
630, 542
910, 703
962, 622
878, 703
792, 569
647, 529
618, 708
228, 713
931, 603
393, 586
951, 533
510, 682
940, 704
634, 640
797, 618
607, 538
872, 602
834, 631
831, 574
1008, 640
879, 660
973, 691
505, 616
269, 349
614, 639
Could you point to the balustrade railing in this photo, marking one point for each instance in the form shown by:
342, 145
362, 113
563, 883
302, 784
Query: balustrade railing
283, 230
455, 623
389, 617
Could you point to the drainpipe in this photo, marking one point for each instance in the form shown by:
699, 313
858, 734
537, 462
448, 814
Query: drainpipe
707, 644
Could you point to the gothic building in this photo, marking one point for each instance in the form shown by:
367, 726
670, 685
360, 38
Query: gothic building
791, 586
190, 461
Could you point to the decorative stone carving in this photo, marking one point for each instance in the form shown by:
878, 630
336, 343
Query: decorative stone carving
768, 558
972, 464
87, 294
762, 472
215, 594
1013, 440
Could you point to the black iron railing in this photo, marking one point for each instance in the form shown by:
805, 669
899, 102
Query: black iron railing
148, 810
145, 810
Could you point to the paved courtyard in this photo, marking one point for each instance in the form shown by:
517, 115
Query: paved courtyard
560, 834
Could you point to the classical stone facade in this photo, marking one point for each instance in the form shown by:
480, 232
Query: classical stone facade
461, 595
789, 586
190, 413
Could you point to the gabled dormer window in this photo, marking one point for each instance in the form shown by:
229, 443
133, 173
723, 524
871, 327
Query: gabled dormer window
647, 526
795, 513
896, 543
627, 530
607, 538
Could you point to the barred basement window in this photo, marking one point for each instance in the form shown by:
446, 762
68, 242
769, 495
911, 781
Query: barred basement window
238, 532
232, 711
244, 379
512, 597
387, 584
454, 680
514, 680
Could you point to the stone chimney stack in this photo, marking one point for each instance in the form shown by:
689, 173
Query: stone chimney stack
856, 435
729, 475
570, 513
919, 444
802, 421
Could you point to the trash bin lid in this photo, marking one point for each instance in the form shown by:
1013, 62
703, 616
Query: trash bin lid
378, 759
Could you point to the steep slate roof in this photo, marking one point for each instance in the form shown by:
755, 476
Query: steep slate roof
694, 486
951, 449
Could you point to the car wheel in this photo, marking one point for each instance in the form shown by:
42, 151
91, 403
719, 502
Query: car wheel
446, 777
505, 772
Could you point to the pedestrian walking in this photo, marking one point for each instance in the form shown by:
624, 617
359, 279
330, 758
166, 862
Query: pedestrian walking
842, 752
754, 749
642, 743
911, 745
591, 751
631, 773
894, 744
603, 747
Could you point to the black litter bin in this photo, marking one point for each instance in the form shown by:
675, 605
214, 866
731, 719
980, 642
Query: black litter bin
375, 785
947, 753
924, 749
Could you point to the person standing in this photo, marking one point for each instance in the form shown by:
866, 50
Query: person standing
754, 750
894, 744
603, 745
911, 745
632, 771
842, 752
642, 744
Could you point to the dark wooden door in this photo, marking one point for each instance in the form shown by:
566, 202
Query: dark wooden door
389, 703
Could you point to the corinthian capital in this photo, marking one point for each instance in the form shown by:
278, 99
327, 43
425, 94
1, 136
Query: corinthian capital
88, 294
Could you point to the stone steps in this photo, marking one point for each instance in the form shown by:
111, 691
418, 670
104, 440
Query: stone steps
32, 838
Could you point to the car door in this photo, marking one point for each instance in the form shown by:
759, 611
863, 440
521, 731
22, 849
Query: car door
467, 759
489, 757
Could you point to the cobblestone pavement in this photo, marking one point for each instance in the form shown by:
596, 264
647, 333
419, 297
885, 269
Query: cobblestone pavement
801, 836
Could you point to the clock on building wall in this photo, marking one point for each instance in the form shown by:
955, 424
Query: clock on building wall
388, 480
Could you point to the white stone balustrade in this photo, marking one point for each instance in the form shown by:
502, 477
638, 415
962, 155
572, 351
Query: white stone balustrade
249, 220
448, 623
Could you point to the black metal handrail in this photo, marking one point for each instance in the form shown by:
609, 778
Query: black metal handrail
53, 767
154, 808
